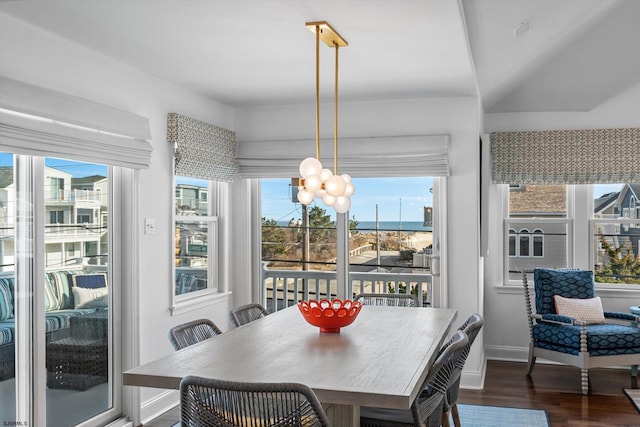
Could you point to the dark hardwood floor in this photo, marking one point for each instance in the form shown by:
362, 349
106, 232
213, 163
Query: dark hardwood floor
556, 389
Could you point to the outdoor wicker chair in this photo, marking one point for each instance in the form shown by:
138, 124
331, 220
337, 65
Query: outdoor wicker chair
211, 402
471, 327
429, 405
189, 333
247, 313
393, 300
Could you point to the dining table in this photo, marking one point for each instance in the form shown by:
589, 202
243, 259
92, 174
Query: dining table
381, 360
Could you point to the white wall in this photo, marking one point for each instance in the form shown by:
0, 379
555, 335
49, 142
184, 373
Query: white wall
457, 117
506, 331
40, 58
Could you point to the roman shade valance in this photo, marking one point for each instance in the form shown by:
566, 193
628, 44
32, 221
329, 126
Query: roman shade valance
422, 155
202, 150
42, 122
590, 156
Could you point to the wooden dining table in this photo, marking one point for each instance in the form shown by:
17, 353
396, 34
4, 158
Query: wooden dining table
380, 360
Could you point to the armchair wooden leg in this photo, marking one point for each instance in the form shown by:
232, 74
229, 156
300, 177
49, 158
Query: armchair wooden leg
585, 381
532, 360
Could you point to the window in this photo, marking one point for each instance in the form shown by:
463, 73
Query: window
546, 225
56, 217
388, 233
196, 237
538, 243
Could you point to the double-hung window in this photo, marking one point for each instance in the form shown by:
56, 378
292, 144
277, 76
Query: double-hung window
196, 240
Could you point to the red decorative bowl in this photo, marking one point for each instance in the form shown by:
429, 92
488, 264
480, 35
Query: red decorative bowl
330, 316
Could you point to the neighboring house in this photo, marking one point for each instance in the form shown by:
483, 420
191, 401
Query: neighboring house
191, 199
75, 218
535, 243
624, 204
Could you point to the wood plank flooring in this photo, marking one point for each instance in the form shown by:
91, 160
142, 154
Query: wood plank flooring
556, 389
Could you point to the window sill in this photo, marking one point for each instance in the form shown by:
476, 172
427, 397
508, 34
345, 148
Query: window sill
189, 304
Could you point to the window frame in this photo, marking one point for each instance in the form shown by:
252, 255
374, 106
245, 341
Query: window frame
216, 287
581, 246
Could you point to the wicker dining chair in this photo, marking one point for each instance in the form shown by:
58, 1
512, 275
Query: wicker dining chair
429, 404
189, 333
470, 327
248, 313
392, 300
212, 402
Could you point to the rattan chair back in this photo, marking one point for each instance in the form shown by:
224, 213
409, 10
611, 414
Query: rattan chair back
189, 333
392, 300
247, 313
211, 402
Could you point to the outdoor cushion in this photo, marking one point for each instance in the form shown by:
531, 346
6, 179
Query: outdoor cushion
6, 298
566, 283
90, 297
6, 333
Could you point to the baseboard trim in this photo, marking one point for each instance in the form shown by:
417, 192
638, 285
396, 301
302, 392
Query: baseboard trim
511, 354
474, 380
158, 405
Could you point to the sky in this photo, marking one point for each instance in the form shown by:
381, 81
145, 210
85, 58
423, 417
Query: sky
394, 197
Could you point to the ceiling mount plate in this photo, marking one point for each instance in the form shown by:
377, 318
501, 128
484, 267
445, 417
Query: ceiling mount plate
327, 33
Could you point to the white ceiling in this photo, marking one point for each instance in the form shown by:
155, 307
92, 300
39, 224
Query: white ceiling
576, 54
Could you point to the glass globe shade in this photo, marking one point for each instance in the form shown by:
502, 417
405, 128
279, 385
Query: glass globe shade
320, 193
328, 199
313, 183
346, 177
305, 197
342, 204
325, 174
310, 166
349, 190
335, 185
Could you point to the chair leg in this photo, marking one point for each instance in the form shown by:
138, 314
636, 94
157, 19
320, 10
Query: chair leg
532, 360
455, 415
585, 381
445, 419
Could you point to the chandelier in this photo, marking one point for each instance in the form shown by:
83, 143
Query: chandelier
334, 189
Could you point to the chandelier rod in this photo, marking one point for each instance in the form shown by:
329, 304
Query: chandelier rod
318, 91
335, 117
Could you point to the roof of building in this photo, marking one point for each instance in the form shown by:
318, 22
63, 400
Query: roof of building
604, 201
540, 199
87, 179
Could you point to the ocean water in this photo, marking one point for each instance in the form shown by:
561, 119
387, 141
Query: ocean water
385, 225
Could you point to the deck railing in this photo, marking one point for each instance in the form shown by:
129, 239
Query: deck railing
283, 288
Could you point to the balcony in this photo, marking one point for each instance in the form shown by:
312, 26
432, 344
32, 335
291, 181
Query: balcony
284, 288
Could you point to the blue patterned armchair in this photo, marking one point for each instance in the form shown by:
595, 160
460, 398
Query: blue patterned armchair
571, 341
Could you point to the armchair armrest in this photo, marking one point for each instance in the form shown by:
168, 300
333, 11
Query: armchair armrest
558, 319
623, 316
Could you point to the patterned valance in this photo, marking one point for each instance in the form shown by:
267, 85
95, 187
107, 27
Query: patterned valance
591, 156
202, 150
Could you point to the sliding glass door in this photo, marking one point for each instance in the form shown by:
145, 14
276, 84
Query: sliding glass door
55, 278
